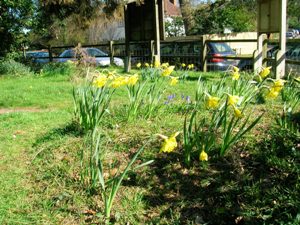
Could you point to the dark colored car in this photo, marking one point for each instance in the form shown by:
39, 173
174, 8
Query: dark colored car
38, 56
190, 53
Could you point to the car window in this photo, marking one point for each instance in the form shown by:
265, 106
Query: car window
221, 47
295, 53
68, 54
42, 54
95, 52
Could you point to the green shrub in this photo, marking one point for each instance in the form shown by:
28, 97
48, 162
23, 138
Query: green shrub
11, 67
54, 69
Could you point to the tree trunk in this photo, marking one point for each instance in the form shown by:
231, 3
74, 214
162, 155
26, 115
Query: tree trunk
186, 11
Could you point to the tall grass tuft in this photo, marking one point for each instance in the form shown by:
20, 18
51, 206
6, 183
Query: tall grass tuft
12, 68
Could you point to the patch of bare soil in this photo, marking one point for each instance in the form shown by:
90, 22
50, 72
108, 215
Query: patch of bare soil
19, 109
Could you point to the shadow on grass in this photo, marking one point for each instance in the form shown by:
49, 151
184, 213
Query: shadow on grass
253, 186
70, 129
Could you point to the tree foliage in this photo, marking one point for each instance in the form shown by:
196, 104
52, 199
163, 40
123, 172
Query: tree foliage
293, 12
15, 19
215, 17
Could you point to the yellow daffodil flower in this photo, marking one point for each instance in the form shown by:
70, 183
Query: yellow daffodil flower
203, 156
147, 65
233, 99
156, 64
237, 112
100, 81
165, 65
235, 69
132, 80
265, 72
138, 65
168, 71
174, 81
191, 66
278, 85
111, 75
183, 65
170, 143
272, 94
235, 75
119, 81
212, 102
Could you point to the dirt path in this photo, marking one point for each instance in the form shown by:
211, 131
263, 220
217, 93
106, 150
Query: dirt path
20, 109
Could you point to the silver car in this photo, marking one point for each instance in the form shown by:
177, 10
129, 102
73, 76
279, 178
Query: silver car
91, 55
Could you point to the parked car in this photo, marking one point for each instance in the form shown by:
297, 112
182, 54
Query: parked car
89, 55
40, 56
289, 35
190, 52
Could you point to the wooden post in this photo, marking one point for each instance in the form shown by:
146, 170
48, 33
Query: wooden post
258, 53
127, 42
111, 52
204, 54
157, 32
50, 54
152, 51
280, 56
264, 51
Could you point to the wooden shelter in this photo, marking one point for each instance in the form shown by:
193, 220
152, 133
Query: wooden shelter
144, 21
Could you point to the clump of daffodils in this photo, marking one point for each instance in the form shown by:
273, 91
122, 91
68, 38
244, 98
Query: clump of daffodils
191, 66
169, 143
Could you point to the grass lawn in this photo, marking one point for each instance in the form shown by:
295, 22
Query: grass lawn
256, 182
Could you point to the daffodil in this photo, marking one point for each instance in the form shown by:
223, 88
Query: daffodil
233, 99
100, 81
235, 69
169, 143
174, 81
156, 64
168, 71
278, 85
235, 75
119, 81
111, 75
183, 65
138, 65
237, 112
265, 72
203, 156
212, 102
165, 65
272, 94
132, 80
191, 66
147, 65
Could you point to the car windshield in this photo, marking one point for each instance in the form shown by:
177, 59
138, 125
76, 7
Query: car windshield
221, 47
37, 54
68, 54
93, 52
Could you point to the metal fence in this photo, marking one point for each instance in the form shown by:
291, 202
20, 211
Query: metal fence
194, 50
